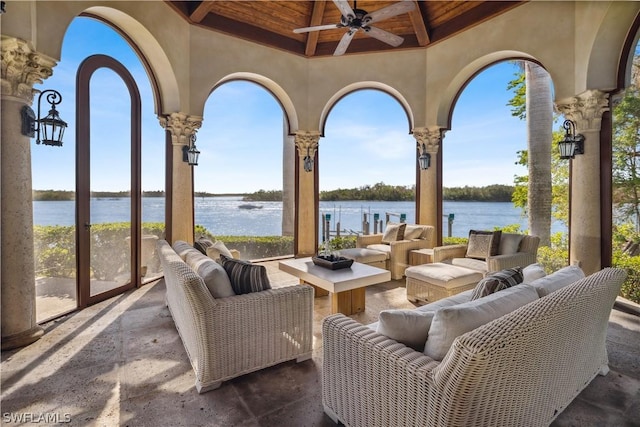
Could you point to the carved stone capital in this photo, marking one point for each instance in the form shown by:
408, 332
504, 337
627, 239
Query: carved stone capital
429, 137
22, 67
181, 127
585, 110
307, 142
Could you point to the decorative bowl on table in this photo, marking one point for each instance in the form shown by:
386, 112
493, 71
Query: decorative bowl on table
332, 262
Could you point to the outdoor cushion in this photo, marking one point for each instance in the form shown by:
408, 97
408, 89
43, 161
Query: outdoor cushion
394, 232
413, 232
532, 272
472, 263
382, 248
202, 244
212, 273
483, 244
218, 248
245, 277
509, 243
450, 322
182, 248
557, 280
364, 255
497, 281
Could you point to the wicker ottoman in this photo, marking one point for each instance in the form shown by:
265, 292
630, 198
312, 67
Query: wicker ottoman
365, 256
431, 282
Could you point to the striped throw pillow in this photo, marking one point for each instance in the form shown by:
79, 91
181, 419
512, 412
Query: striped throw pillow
497, 281
245, 277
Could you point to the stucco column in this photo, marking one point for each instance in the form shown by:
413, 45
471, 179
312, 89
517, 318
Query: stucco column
181, 127
22, 67
585, 110
427, 198
307, 212
288, 182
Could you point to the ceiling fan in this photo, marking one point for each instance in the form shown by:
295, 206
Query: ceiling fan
357, 19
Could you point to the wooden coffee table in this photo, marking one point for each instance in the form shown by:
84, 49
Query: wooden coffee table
347, 285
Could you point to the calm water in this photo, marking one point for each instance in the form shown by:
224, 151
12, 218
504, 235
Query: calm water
221, 215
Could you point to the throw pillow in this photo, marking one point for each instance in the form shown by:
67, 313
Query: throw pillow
483, 244
450, 322
532, 272
497, 281
509, 243
217, 249
409, 327
557, 280
202, 244
182, 248
394, 232
245, 277
413, 232
212, 273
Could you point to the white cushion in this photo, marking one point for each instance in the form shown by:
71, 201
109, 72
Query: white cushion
450, 322
217, 249
182, 248
413, 232
472, 263
212, 273
557, 280
532, 272
509, 243
394, 232
382, 248
444, 275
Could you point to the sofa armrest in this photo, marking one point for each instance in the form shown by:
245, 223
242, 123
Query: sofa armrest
364, 371
519, 259
441, 253
364, 240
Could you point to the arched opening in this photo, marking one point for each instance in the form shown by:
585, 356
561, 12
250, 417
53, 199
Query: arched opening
243, 181
54, 169
366, 164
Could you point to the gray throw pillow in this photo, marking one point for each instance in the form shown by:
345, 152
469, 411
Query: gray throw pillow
202, 244
245, 277
497, 281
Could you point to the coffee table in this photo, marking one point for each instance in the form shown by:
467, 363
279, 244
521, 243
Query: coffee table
346, 286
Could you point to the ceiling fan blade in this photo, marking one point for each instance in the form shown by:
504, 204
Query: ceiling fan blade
317, 28
384, 36
398, 8
344, 42
344, 7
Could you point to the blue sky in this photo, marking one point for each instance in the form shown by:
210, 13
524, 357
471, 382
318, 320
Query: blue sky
366, 136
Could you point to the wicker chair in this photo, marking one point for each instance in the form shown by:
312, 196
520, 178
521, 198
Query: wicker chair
398, 251
228, 337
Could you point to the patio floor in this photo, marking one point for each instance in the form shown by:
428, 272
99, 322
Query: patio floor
121, 362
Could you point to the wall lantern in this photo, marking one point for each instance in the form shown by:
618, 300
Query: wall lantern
190, 153
572, 144
424, 159
308, 162
51, 128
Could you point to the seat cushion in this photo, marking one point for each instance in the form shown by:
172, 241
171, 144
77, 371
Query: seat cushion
381, 247
557, 280
444, 275
472, 263
364, 255
450, 322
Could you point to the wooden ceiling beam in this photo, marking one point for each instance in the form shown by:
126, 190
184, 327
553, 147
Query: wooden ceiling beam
201, 11
316, 19
419, 26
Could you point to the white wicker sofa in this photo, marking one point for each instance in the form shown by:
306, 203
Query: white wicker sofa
521, 369
228, 337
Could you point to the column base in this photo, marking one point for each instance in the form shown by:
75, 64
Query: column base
22, 339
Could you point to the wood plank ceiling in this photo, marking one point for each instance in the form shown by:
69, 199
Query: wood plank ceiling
272, 23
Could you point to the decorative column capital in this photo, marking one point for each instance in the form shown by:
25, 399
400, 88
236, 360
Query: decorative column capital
586, 109
22, 67
181, 127
307, 142
429, 137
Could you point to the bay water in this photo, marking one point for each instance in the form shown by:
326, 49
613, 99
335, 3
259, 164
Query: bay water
223, 216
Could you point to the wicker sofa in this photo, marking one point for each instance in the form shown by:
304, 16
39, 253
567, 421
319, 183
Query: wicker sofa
228, 337
521, 369
397, 252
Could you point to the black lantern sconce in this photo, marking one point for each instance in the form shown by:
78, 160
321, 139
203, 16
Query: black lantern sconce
308, 162
572, 144
50, 128
424, 159
190, 153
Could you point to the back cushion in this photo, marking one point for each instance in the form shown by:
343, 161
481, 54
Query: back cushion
450, 322
394, 232
557, 280
509, 243
413, 232
212, 273
182, 248
532, 272
483, 244
245, 277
